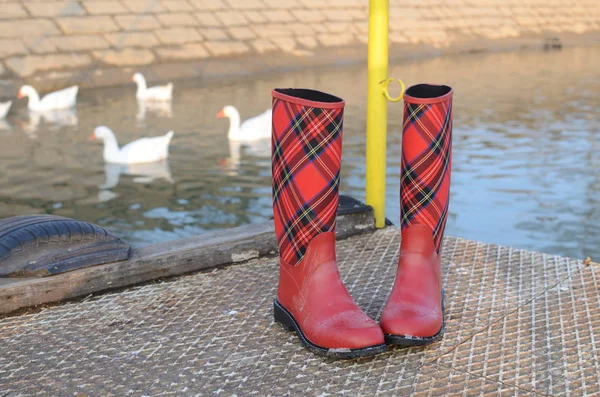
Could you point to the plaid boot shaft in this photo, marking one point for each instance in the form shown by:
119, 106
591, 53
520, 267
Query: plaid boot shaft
426, 158
306, 158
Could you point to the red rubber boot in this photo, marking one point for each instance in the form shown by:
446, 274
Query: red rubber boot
311, 298
414, 314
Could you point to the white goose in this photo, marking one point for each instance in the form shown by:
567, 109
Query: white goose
62, 99
4, 108
156, 93
255, 128
145, 150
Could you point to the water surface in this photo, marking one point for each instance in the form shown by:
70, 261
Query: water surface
525, 169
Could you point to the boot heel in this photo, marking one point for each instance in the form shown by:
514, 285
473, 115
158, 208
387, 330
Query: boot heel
283, 317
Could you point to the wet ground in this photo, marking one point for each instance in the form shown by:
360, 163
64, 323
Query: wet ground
525, 170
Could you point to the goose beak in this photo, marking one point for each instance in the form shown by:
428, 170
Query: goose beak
19, 96
92, 137
133, 79
221, 114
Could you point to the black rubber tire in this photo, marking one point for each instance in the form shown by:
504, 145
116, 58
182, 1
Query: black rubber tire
42, 245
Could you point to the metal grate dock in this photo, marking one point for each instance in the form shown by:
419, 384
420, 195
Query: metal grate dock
517, 323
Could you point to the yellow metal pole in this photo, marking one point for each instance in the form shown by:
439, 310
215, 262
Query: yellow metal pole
377, 109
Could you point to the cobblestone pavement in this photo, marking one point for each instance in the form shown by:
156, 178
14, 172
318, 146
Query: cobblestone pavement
37, 37
518, 323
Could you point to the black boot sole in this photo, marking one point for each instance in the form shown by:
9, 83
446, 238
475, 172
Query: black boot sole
408, 341
285, 318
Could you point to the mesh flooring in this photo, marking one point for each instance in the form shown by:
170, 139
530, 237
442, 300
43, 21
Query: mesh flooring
517, 323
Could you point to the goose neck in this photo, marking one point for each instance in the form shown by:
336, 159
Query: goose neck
141, 86
234, 125
111, 147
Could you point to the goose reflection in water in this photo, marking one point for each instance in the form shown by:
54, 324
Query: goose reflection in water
259, 149
5, 125
142, 173
161, 109
54, 118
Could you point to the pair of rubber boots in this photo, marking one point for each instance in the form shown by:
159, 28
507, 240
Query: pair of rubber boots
306, 158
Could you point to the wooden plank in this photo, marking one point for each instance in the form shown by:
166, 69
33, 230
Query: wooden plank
160, 260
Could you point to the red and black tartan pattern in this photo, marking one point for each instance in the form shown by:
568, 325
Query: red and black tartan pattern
306, 155
426, 163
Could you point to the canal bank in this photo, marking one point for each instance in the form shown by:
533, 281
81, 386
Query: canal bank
101, 43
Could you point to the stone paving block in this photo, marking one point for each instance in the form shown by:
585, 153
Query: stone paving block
144, 6
137, 22
54, 9
283, 4
241, 33
231, 18
125, 57
207, 5
285, 44
578, 28
177, 5
312, 4
404, 13
184, 52
415, 24
226, 48
79, 42
214, 34
33, 27
40, 45
11, 47
363, 27
12, 10
308, 42
207, 19
105, 7
398, 37
178, 35
245, 4
359, 14
363, 39
132, 39
278, 16
338, 27
339, 15
301, 30
351, 3
87, 24
31, 64
272, 30
213, 333
324, 27
255, 17
308, 15
175, 20
263, 45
